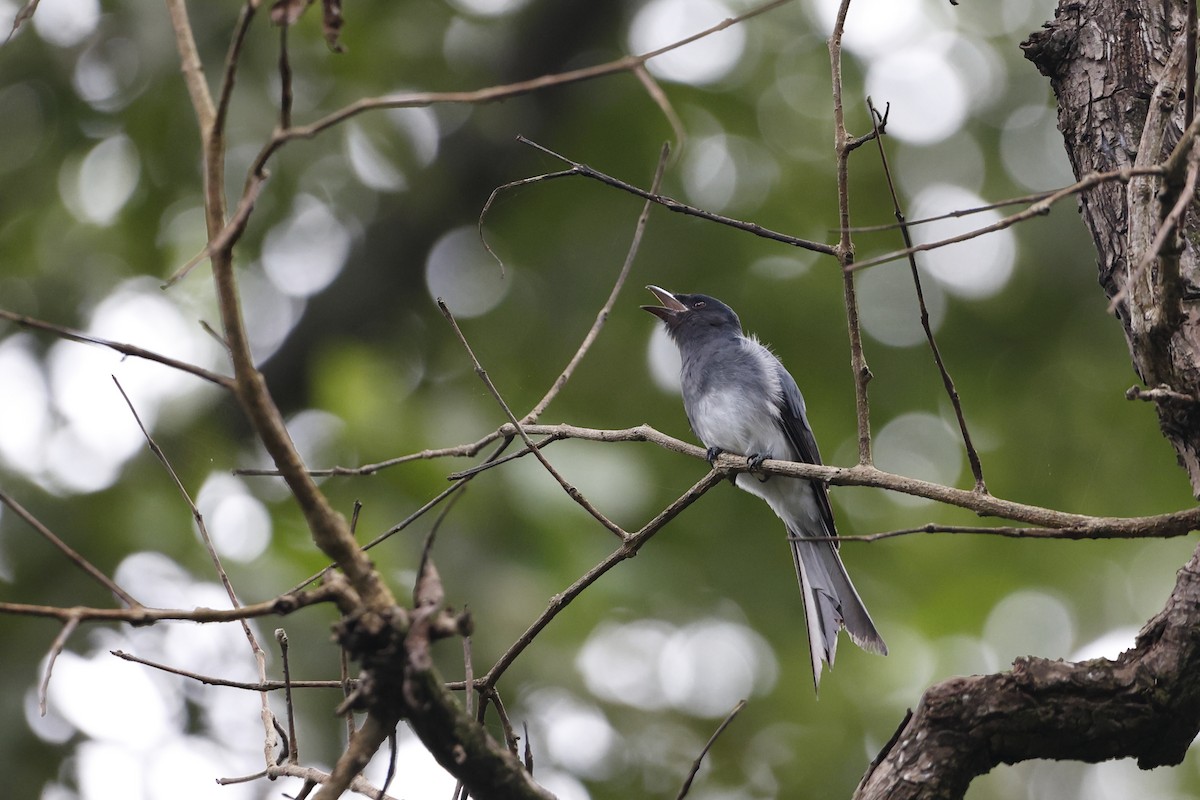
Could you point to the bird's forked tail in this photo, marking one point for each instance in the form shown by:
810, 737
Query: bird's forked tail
830, 602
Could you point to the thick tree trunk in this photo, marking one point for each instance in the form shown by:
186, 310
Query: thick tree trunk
1118, 71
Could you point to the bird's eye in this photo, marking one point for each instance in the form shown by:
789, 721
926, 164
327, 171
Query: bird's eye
698, 304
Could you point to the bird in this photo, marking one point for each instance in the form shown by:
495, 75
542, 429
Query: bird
740, 399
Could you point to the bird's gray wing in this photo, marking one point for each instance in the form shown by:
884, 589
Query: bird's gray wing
796, 427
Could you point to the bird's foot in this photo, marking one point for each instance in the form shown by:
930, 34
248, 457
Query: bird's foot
755, 461
711, 454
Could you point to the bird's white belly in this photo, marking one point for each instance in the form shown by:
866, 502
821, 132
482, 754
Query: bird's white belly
726, 419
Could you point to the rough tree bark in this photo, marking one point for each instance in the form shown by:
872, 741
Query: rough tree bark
1118, 70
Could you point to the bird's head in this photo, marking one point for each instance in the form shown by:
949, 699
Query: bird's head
694, 314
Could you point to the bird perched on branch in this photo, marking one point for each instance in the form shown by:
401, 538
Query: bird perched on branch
739, 399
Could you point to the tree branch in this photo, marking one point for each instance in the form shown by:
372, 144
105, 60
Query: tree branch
1143, 705
125, 349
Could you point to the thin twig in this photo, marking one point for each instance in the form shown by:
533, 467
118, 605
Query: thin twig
285, 80
687, 783
141, 615
487, 206
232, 59
664, 104
193, 69
120, 347
310, 775
845, 249
1075, 532
260, 657
958, 213
606, 309
671, 204
56, 648
197, 517
226, 238
293, 753
460, 451
627, 549
73, 556
1162, 525
485, 466
1040, 208
510, 736
947, 381
490, 94
570, 489
1160, 393
250, 686
441, 496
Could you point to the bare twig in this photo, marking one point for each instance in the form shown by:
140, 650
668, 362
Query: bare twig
486, 465
606, 309
193, 70
141, 615
250, 686
1160, 393
1040, 208
232, 59
328, 528
24, 15
197, 517
227, 237
72, 555
947, 381
511, 740
448, 492
958, 213
843, 145
487, 206
629, 548
687, 783
285, 81
120, 347
492, 93
260, 657
664, 104
56, 648
570, 489
671, 204
460, 451
293, 753
1161, 525
310, 775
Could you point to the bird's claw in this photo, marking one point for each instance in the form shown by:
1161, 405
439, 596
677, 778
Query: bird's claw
755, 461
712, 454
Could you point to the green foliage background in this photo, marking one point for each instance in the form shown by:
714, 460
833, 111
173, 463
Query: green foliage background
1042, 370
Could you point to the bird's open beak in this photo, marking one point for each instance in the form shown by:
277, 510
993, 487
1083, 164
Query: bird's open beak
670, 309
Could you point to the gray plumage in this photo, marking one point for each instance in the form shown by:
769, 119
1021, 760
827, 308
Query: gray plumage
739, 399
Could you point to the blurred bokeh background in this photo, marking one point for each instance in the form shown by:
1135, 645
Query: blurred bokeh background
359, 229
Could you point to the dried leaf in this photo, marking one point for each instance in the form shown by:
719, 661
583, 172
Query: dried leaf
286, 12
428, 593
23, 16
333, 24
